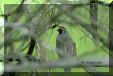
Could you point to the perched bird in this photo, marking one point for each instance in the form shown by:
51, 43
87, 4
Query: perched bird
65, 45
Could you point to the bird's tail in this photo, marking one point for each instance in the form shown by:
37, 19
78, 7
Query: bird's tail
67, 69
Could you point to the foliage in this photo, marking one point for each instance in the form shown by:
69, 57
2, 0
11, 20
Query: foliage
36, 21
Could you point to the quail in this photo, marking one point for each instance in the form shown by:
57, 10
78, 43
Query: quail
65, 45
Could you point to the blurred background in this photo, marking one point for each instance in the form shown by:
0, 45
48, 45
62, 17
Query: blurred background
24, 23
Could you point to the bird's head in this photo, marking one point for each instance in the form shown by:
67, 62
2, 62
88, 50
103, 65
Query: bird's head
61, 29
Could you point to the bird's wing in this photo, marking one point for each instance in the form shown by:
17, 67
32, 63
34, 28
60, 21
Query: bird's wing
59, 47
74, 50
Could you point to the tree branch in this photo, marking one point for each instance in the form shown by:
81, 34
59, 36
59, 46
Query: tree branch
74, 62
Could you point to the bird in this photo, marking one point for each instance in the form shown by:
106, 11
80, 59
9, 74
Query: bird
65, 46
